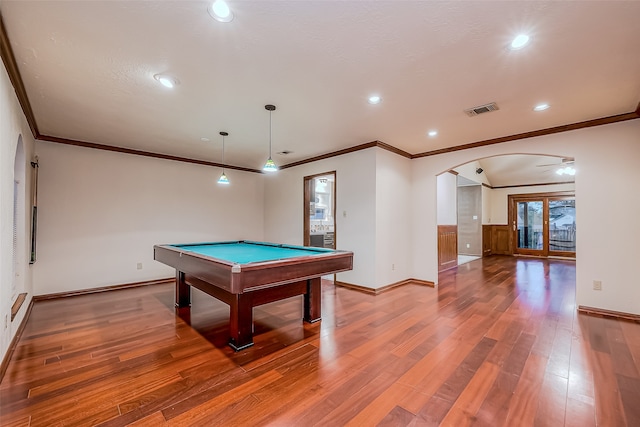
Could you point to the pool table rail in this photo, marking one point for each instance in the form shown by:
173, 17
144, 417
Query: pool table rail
240, 278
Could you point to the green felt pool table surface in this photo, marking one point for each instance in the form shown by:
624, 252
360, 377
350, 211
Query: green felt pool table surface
243, 252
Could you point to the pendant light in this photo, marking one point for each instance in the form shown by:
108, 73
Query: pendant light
270, 165
223, 178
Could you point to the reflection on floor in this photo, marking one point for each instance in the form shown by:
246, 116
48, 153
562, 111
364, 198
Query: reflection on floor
463, 259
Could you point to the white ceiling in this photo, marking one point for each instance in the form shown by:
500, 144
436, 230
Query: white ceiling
88, 69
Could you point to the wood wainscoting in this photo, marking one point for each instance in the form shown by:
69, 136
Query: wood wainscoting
486, 240
496, 240
501, 240
447, 247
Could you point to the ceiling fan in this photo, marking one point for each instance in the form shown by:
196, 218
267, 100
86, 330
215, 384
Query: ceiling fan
566, 161
565, 167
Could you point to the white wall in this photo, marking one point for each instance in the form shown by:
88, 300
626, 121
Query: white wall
393, 218
355, 196
12, 125
486, 205
101, 212
607, 206
447, 190
606, 181
499, 199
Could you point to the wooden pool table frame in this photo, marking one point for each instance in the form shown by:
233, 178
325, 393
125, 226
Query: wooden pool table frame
244, 286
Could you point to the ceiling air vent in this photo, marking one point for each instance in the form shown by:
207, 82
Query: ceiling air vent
487, 108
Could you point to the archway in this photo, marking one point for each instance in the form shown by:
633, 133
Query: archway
18, 249
488, 229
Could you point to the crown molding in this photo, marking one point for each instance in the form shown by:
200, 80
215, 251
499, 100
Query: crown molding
541, 132
331, 154
379, 144
139, 152
494, 187
16, 80
394, 150
365, 146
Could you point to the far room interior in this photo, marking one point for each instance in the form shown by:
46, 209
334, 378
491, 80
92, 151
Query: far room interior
483, 207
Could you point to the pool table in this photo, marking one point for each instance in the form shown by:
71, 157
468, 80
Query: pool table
246, 274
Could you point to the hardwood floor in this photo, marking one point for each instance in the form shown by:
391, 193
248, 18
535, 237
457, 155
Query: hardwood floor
498, 343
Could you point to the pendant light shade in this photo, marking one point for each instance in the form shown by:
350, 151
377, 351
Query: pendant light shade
223, 178
270, 165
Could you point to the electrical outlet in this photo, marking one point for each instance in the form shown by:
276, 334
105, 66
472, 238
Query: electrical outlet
393, 267
597, 285
468, 245
139, 266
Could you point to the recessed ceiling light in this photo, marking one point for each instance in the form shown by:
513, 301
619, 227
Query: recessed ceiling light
204, 139
519, 42
432, 133
167, 80
540, 107
374, 99
219, 10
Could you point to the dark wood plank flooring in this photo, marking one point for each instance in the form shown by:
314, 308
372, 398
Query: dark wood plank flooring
499, 343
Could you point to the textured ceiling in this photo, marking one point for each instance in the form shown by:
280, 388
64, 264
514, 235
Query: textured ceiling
88, 70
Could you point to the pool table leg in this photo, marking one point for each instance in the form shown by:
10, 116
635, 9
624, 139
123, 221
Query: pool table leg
241, 321
312, 301
183, 291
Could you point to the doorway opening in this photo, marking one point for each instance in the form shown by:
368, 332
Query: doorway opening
320, 210
498, 179
469, 219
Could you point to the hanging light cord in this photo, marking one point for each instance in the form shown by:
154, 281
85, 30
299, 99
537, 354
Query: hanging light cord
223, 178
223, 154
270, 111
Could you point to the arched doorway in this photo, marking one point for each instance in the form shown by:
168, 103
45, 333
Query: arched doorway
495, 178
18, 249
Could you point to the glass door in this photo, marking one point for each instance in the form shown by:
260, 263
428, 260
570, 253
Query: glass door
544, 225
530, 227
562, 227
